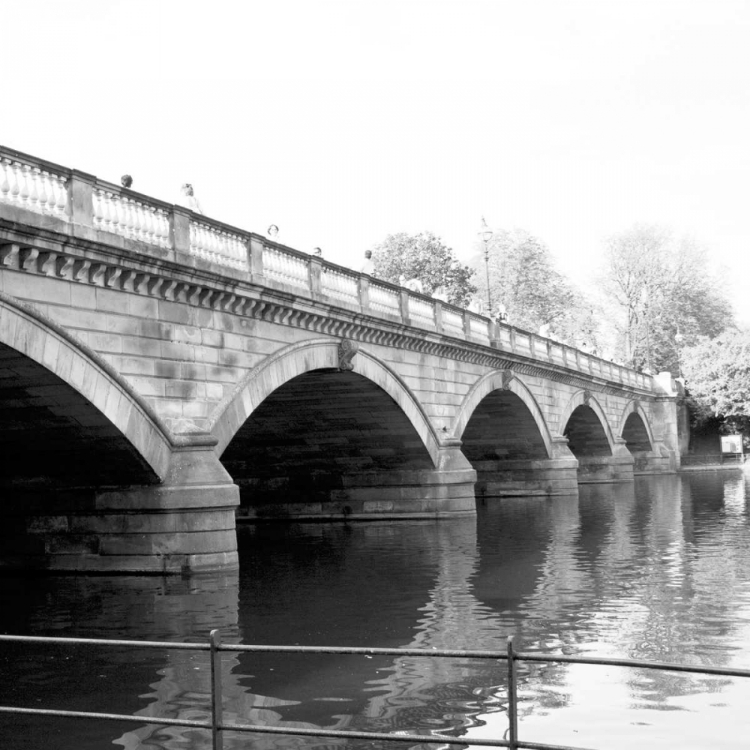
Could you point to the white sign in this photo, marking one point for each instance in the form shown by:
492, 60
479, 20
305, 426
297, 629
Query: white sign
731, 443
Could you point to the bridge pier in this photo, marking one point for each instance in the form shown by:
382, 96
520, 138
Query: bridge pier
534, 478
658, 461
530, 477
184, 524
445, 491
448, 490
600, 469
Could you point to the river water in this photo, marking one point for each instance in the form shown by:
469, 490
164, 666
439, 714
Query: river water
658, 570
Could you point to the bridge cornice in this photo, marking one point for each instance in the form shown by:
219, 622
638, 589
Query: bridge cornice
138, 269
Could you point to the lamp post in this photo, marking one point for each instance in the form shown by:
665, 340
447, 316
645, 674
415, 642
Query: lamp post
486, 235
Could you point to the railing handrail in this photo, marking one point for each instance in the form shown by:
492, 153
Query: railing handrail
215, 647
81, 186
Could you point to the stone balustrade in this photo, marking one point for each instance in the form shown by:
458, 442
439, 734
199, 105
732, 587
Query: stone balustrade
32, 186
154, 227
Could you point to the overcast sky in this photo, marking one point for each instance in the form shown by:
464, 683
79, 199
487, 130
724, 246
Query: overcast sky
345, 120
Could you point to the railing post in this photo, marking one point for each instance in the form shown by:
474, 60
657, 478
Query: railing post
216, 697
403, 304
512, 699
494, 333
438, 307
179, 230
315, 270
467, 324
256, 259
363, 287
81, 198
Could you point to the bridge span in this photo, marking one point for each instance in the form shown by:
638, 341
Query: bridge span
163, 374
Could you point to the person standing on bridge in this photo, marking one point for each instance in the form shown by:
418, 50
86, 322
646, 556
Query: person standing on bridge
368, 266
188, 199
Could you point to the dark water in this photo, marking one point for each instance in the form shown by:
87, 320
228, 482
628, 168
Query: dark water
659, 570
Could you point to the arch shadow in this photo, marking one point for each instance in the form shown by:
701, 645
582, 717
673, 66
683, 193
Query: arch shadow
297, 359
584, 398
504, 381
32, 334
635, 408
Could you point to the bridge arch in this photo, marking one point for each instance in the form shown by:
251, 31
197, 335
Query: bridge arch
588, 419
72, 389
299, 359
509, 383
635, 429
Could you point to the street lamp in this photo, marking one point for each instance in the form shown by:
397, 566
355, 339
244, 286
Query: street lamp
485, 234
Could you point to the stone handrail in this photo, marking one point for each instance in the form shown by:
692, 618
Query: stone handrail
82, 200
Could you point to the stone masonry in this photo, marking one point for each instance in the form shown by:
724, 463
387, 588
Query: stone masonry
163, 374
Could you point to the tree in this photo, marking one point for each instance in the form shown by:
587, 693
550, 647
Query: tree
661, 296
717, 377
424, 256
524, 281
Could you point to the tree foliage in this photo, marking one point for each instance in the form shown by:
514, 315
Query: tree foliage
661, 296
717, 376
525, 283
424, 256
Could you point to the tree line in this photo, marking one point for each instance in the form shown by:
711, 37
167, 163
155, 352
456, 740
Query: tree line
656, 305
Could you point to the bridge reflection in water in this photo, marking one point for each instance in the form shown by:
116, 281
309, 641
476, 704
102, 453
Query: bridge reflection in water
658, 571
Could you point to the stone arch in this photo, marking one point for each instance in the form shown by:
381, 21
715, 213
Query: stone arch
301, 358
634, 409
506, 381
585, 398
31, 334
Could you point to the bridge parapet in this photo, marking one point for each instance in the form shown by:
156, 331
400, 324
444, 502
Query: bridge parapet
78, 204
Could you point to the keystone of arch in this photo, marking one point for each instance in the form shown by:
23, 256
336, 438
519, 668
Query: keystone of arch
297, 359
586, 398
33, 334
498, 381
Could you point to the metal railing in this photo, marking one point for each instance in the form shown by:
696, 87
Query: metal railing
217, 726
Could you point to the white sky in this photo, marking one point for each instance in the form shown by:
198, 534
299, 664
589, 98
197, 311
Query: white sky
345, 120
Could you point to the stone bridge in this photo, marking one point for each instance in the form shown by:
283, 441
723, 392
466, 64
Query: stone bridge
163, 374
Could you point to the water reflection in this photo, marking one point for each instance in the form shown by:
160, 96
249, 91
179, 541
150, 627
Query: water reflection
656, 570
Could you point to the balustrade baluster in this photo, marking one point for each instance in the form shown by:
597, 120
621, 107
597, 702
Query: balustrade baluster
129, 218
210, 240
140, 221
115, 213
62, 198
96, 204
141, 217
163, 229
43, 197
5, 183
24, 194
15, 185
145, 233
153, 226
34, 189
206, 241
107, 212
